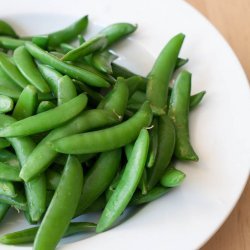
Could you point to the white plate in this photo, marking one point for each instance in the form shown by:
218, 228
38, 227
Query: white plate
190, 215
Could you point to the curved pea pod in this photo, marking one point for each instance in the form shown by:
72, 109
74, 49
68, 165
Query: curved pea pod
12, 71
98, 178
26, 103
102, 61
66, 90
7, 188
68, 69
4, 143
196, 99
68, 33
62, 207
157, 192
51, 76
128, 183
161, 73
6, 104
116, 100
103, 140
165, 150
28, 235
46, 120
45, 106
35, 189
27, 67
4, 208
18, 202
172, 177
88, 120
102, 40
179, 112
6, 29
10, 43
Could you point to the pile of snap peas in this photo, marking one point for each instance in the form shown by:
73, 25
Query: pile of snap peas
80, 133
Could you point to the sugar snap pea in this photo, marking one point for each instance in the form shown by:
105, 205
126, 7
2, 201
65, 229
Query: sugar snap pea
9, 173
153, 146
196, 99
46, 120
6, 81
28, 235
6, 104
178, 112
6, 29
41, 41
29, 70
58, 216
10, 43
128, 183
172, 177
26, 103
45, 106
70, 70
161, 73
124, 133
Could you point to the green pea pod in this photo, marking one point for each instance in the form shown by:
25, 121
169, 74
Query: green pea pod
51, 76
4, 208
29, 70
9, 158
7, 188
157, 192
53, 178
161, 73
66, 90
9, 173
70, 70
69, 33
28, 235
178, 112
46, 120
81, 39
26, 103
28, 217
134, 83
128, 150
165, 150
45, 106
128, 183
172, 177
36, 189
7, 82
116, 100
10, 92
10, 43
153, 144
41, 41
86, 121
18, 202
6, 29
6, 104
143, 183
62, 206
102, 61
98, 178
196, 99
4, 143
123, 133
180, 62
12, 71
102, 40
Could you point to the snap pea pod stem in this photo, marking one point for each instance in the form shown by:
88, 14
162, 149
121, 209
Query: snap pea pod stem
28, 68
124, 133
161, 73
179, 112
4, 208
70, 70
66, 90
127, 185
28, 235
165, 150
98, 178
7, 188
12, 71
26, 103
196, 99
6, 104
57, 217
6, 29
86, 121
69, 33
47, 120
45, 106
